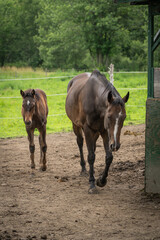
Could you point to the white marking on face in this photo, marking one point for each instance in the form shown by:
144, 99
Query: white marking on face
116, 127
28, 102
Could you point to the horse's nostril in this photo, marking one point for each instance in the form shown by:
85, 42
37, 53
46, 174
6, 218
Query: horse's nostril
118, 146
28, 123
112, 147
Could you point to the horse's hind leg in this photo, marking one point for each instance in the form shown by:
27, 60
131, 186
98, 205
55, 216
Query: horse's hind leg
78, 132
43, 148
30, 133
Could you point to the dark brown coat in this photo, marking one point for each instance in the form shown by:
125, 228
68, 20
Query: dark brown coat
34, 112
95, 107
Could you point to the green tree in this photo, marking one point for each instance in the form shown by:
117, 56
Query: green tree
60, 39
95, 32
27, 28
17, 31
133, 47
81, 34
8, 29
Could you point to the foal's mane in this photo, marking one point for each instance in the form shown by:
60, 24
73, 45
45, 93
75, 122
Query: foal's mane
28, 93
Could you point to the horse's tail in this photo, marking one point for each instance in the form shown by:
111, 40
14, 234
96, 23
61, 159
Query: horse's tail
69, 85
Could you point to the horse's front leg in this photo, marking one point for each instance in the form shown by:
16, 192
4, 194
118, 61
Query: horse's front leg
43, 148
91, 138
30, 133
102, 180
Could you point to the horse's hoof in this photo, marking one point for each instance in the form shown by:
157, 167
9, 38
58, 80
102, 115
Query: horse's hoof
101, 183
33, 166
43, 168
93, 190
84, 173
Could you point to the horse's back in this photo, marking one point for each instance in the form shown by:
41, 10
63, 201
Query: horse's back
73, 101
78, 80
41, 102
86, 98
40, 93
75, 87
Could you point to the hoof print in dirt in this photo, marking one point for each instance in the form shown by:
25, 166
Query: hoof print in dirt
63, 179
84, 173
33, 174
93, 190
44, 237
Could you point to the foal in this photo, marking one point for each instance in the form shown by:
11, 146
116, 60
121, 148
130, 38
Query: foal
34, 112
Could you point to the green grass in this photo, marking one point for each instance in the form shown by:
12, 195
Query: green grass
10, 108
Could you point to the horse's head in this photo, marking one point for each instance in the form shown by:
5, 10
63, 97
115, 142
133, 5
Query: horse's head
28, 106
114, 118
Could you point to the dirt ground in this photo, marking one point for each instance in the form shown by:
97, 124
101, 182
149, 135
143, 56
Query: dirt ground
56, 205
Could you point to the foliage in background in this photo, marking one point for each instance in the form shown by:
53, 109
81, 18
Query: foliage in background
10, 115
17, 31
79, 34
104, 31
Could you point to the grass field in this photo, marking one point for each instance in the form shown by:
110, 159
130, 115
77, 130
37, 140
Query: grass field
11, 123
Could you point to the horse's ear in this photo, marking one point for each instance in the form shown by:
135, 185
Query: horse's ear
33, 92
110, 97
22, 93
125, 99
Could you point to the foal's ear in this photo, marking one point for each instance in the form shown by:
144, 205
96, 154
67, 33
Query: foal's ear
125, 99
33, 92
22, 93
110, 97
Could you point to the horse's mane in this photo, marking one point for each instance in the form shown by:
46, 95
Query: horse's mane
101, 77
29, 94
107, 87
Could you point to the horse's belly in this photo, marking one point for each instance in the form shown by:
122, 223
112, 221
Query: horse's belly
77, 119
75, 114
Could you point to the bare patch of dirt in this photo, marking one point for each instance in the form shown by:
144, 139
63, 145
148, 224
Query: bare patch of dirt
56, 205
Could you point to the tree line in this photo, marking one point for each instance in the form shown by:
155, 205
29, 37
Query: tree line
79, 34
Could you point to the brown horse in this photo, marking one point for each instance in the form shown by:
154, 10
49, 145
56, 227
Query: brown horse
94, 106
34, 112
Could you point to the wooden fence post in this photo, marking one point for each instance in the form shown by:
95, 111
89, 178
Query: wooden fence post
111, 70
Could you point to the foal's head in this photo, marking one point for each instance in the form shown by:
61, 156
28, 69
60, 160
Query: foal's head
114, 118
28, 106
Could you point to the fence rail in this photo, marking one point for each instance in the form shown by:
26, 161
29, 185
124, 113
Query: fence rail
70, 76
28, 79
64, 94
52, 95
53, 115
61, 94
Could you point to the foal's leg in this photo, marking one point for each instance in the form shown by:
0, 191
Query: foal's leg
30, 133
78, 132
101, 181
43, 148
91, 138
40, 144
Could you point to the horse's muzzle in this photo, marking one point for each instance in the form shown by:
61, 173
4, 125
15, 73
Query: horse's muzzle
114, 147
28, 123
